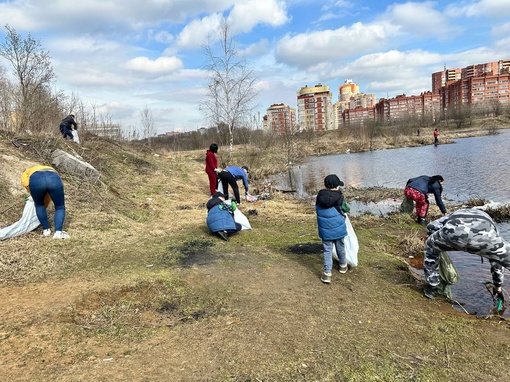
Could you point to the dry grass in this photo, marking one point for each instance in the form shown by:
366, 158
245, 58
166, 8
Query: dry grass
142, 291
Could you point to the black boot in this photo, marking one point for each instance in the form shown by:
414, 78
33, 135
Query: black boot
223, 234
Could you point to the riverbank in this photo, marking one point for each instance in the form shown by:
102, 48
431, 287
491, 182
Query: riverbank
142, 291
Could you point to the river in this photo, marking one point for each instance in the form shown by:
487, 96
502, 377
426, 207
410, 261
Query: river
474, 167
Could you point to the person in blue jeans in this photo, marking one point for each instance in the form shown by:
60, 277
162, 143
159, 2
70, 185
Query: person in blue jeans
331, 224
44, 184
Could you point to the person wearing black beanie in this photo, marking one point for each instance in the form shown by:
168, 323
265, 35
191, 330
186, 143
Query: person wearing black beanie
331, 209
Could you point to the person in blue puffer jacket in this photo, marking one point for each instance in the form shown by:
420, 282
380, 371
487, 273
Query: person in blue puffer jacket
330, 208
220, 216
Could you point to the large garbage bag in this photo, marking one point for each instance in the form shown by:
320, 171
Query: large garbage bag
27, 223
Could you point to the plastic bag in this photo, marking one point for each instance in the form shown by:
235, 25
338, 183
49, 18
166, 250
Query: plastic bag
351, 245
27, 223
76, 137
241, 218
448, 274
407, 205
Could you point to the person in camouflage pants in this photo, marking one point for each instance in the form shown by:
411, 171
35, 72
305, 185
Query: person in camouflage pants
468, 230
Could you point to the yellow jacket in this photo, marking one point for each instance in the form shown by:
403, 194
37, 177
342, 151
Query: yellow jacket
25, 179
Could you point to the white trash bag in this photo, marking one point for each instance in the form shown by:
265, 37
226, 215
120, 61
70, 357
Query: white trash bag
27, 223
76, 137
241, 218
351, 245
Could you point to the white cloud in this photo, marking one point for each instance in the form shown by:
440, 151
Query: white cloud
196, 33
494, 9
503, 29
308, 49
159, 66
421, 19
248, 13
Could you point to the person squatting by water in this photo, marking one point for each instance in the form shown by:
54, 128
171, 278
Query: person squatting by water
417, 189
230, 176
66, 126
331, 224
468, 230
44, 184
211, 167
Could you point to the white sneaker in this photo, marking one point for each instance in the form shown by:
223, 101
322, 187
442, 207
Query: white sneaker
46, 232
61, 235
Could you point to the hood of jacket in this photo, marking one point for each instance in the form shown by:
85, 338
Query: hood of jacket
329, 198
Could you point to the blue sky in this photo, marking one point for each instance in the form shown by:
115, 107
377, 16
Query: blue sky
120, 56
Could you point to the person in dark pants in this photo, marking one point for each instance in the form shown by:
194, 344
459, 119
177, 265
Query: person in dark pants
44, 184
436, 136
66, 126
417, 189
230, 176
468, 230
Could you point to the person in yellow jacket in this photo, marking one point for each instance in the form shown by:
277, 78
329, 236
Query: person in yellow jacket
44, 184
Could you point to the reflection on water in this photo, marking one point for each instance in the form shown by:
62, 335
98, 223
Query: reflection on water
472, 168
470, 289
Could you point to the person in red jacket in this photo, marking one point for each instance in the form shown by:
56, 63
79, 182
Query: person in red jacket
211, 167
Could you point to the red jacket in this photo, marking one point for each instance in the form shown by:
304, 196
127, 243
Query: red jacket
211, 162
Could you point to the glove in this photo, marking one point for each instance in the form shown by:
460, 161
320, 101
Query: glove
218, 170
499, 297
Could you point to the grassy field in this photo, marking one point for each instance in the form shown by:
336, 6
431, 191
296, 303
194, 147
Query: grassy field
143, 292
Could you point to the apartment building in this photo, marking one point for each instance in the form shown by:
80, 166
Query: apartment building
280, 119
477, 91
426, 105
315, 108
358, 116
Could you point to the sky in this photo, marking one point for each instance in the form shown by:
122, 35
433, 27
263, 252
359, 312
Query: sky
122, 56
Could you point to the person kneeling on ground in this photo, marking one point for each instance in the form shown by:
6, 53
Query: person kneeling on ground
468, 230
331, 224
220, 216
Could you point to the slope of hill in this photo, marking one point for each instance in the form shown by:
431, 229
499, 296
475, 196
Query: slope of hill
143, 292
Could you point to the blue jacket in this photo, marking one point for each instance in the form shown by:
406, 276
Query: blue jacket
238, 173
331, 222
421, 184
219, 219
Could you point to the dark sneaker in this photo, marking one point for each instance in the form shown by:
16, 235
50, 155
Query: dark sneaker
343, 268
223, 234
421, 221
430, 292
326, 278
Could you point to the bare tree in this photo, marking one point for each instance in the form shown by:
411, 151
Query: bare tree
231, 85
148, 128
459, 114
33, 71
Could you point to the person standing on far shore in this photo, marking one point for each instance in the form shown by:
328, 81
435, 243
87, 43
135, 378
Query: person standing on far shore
436, 136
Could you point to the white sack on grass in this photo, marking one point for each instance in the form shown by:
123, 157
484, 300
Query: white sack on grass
351, 245
27, 223
241, 218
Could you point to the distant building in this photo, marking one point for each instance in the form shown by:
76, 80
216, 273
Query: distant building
315, 109
426, 105
473, 85
280, 119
